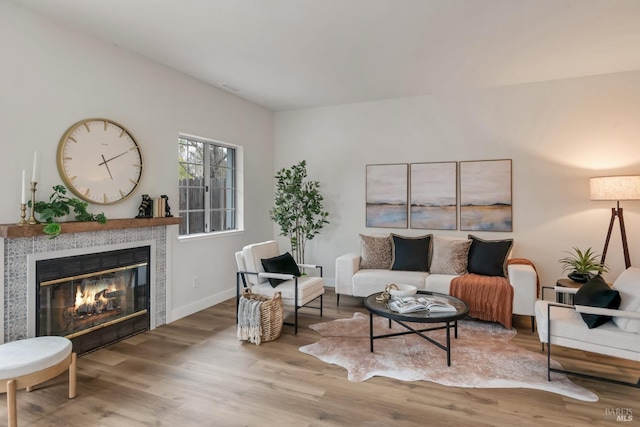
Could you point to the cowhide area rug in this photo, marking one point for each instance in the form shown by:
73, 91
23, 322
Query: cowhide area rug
483, 356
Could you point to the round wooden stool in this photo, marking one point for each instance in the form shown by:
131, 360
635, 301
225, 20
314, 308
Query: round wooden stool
31, 361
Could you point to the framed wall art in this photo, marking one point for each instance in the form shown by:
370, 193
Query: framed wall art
433, 195
485, 195
386, 195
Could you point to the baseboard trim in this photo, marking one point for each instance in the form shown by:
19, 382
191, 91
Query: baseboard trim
199, 305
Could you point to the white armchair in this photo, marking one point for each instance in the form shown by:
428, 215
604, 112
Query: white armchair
296, 291
562, 324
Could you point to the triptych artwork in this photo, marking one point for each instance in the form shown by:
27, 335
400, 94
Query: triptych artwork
425, 195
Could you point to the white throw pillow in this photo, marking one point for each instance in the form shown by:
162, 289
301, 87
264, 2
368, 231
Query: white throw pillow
628, 284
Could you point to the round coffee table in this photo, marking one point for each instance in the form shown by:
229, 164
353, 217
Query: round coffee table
450, 319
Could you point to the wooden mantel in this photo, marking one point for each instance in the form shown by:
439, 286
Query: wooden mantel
12, 231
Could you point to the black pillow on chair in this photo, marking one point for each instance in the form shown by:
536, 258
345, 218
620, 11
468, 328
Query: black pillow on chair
596, 293
283, 264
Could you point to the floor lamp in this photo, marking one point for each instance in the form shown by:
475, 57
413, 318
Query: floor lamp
616, 188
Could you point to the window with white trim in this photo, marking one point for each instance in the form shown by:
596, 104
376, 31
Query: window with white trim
207, 186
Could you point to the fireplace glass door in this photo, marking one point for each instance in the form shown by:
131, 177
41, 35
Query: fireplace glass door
77, 305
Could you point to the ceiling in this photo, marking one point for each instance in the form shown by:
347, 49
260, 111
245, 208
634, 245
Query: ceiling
290, 54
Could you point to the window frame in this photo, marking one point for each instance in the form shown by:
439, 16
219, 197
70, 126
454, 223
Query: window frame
237, 189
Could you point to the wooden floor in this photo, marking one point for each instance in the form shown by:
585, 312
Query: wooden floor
194, 372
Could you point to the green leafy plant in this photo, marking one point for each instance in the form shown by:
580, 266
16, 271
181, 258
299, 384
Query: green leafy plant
298, 208
61, 205
584, 262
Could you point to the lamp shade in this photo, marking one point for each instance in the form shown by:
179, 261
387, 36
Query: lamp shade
621, 187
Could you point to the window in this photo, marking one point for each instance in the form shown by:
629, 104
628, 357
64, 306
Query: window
207, 186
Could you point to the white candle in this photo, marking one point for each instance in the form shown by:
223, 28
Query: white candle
22, 194
35, 165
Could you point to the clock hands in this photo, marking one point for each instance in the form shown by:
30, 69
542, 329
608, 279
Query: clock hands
106, 165
114, 157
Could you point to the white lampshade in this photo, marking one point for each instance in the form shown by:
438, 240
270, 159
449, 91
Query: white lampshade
625, 187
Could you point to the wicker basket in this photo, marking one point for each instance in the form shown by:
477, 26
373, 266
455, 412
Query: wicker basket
271, 314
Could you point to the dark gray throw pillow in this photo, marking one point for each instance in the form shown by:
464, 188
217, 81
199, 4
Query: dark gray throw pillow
596, 293
489, 257
283, 264
410, 253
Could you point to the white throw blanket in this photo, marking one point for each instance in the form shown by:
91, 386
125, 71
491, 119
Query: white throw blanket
249, 326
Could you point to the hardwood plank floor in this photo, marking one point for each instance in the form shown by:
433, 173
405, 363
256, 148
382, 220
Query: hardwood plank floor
194, 372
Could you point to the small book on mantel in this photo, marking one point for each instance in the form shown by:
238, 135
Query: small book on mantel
159, 207
411, 304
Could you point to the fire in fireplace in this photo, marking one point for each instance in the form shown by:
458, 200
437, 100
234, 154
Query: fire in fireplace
94, 299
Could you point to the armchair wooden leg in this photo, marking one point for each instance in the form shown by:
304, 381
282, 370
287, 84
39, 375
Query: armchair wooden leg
533, 323
321, 305
337, 300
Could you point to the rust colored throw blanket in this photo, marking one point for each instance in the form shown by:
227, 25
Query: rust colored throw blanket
489, 297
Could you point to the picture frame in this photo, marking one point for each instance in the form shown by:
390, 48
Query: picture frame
434, 195
486, 195
387, 195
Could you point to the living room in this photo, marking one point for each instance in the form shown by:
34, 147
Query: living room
558, 124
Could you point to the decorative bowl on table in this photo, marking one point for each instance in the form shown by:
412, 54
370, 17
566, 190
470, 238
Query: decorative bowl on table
401, 291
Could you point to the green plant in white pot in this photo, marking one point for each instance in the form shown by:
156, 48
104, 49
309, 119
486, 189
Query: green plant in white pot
298, 208
582, 265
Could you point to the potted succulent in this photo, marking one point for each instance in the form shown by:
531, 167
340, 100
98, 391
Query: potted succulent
582, 265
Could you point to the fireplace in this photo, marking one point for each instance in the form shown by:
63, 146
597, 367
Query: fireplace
94, 299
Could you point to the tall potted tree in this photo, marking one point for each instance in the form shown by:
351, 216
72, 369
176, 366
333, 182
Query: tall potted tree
298, 208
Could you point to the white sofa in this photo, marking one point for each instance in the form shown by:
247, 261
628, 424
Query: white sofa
350, 279
618, 337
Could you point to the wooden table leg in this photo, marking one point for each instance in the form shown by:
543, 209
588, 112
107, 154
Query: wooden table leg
72, 376
12, 412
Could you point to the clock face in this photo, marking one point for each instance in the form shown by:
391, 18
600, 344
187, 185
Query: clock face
99, 161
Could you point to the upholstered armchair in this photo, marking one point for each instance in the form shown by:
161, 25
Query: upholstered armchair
297, 291
594, 327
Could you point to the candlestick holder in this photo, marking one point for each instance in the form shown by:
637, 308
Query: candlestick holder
32, 219
23, 214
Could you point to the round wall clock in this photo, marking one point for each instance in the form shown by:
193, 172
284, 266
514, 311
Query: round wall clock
99, 161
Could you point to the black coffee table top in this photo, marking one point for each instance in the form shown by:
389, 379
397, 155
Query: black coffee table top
424, 316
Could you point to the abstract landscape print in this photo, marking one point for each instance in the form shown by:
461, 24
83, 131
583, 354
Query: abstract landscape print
485, 195
434, 195
387, 196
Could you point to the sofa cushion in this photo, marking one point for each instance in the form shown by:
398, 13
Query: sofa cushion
489, 257
367, 282
410, 253
450, 256
628, 284
283, 264
375, 252
596, 293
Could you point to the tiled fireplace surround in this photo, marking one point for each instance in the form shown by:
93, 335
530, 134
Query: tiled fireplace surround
18, 251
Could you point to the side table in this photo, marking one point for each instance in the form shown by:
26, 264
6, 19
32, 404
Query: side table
566, 283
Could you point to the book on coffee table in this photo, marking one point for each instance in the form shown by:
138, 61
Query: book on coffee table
412, 304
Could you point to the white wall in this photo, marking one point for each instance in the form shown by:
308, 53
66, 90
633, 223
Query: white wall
51, 77
557, 133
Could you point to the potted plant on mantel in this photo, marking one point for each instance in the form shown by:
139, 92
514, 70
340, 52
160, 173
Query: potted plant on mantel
298, 208
61, 205
582, 265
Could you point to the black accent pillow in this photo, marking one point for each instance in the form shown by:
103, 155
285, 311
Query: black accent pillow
283, 264
596, 293
410, 253
489, 257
